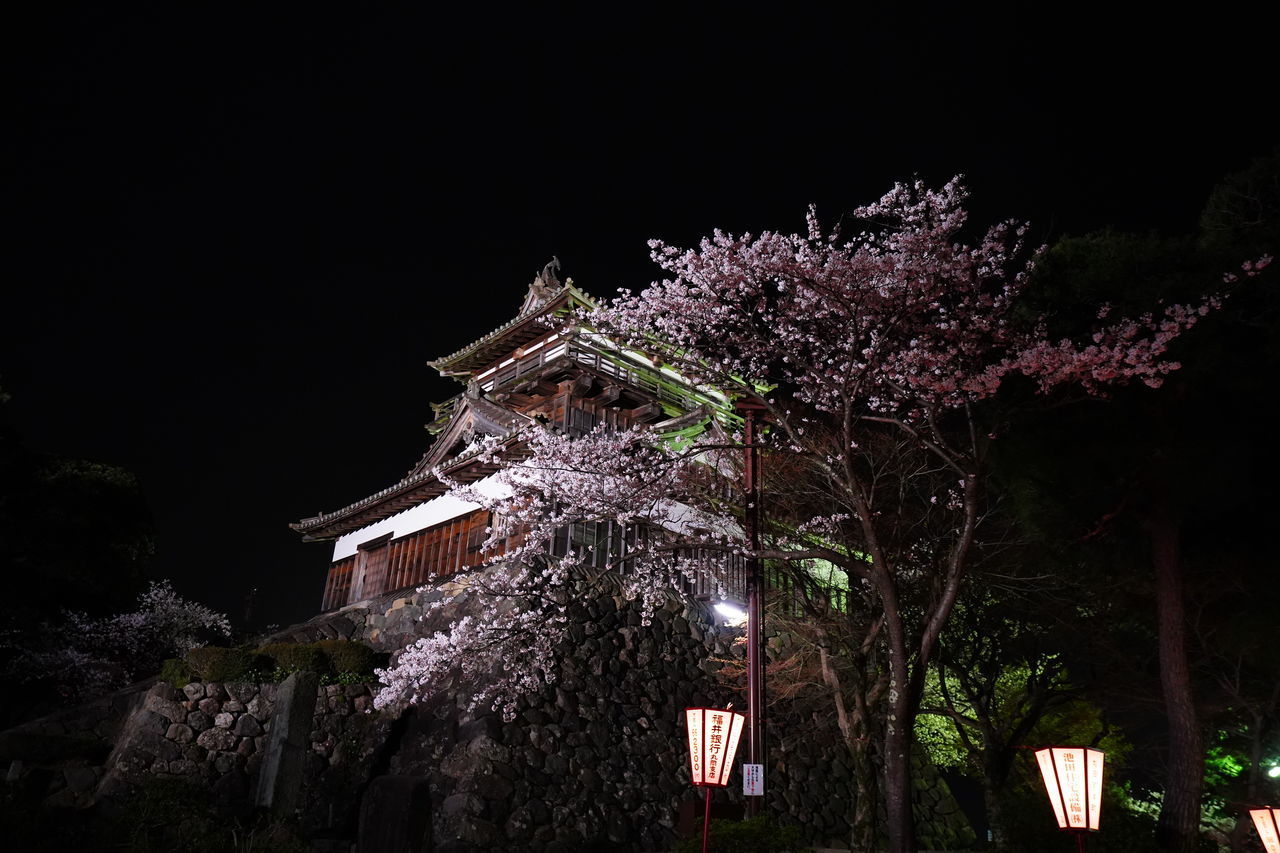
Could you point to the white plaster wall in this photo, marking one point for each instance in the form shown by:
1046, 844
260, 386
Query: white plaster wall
416, 518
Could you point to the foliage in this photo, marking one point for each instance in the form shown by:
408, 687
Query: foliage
216, 663
295, 657
157, 816
755, 835
169, 814
336, 662
176, 672
74, 535
348, 657
1110, 488
998, 673
884, 333
1127, 826
340, 661
85, 656
1244, 208
348, 678
881, 352
1221, 765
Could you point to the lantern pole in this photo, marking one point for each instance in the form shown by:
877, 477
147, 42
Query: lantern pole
755, 610
713, 744
706, 821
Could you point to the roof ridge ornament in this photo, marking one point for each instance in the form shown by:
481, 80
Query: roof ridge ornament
545, 285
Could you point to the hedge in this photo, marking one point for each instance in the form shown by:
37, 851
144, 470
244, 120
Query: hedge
292, 657
214, 663
327, 657
349, 656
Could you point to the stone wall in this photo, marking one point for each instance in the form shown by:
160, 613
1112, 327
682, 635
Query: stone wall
214, 734
598, 759
595, 761
66, 750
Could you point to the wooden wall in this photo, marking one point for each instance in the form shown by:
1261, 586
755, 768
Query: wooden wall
383, 566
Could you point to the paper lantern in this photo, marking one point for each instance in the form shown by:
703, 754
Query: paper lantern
1073, 780
1267, 822
713, 742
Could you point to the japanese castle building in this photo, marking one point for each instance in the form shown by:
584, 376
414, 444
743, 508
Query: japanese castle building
541, 365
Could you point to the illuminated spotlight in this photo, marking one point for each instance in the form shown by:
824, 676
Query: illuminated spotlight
732, 615
1274, 772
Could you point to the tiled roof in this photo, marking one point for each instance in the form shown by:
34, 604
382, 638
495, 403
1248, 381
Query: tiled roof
448, 364
412, 490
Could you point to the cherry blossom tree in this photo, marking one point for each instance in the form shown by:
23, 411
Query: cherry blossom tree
517, 614
875, 356
83, 655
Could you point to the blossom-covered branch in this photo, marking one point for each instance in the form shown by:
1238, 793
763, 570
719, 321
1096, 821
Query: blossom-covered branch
873, 355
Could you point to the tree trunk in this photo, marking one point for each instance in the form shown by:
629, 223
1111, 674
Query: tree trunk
996, 764
899, 821
855, 730
1244, 823
995, 816
864, 810
1178, 828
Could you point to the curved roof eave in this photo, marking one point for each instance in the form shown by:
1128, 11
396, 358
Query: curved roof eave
480, 352
412, 490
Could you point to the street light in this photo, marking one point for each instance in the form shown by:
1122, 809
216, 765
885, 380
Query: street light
1073, 781
731, 614
713, 742
751, 410
1267, 821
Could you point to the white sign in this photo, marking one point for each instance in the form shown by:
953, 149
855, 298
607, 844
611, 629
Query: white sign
753, 780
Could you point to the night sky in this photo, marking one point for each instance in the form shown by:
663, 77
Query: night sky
237, 236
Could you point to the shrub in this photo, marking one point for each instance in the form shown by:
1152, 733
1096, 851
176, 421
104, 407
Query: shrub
176, 672
292, 657
347, 656
757, 835
214, 663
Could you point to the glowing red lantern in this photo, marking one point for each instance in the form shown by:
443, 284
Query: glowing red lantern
1267, 822
713, 743
1073, 780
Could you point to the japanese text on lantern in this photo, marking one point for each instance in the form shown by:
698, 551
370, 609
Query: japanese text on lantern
1073, 786
695, 751
715, 743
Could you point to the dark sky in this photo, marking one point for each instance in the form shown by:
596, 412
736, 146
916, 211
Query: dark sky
237, 236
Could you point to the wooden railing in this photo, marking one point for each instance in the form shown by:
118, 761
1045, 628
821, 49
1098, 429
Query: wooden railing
573, 350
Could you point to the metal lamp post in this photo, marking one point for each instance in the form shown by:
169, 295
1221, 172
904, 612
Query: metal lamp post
1267, 821
1073, 780
713, 742
750, 409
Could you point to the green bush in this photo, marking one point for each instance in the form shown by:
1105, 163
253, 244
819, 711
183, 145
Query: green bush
757, 835
342, 661
292, 657
162, 815
214, 663
176, 672
168, 814
347, 656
